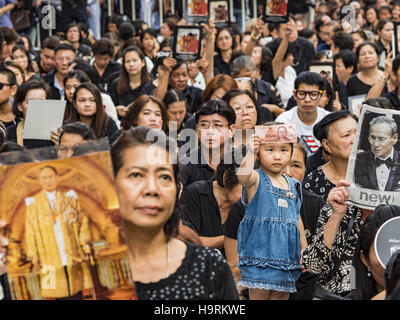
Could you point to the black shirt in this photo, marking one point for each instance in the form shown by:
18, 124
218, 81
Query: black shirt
220, 66
123, 100
314, 161
112, 67
201, 210
393, 98
267, 94
54, 92
193, 167
356, 87
317, 183
203, 275
303, 53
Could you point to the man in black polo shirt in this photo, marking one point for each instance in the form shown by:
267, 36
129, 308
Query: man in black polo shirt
215, 122
302, 49
64, 54
175, 77
103, 51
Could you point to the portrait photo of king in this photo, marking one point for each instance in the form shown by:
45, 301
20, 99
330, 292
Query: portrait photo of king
378, 168
57, 238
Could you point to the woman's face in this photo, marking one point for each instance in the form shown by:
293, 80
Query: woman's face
70, 87
358, 40
133, 64
18, 75
387, 32
256, 56
177, 112
371, 16
85, 103
148, 42
341, 138
368, 57
34, 94
150, 116
146, 187
73, 35
165, 31
245, 110
224, 40
20, 57
314, 41
296, 167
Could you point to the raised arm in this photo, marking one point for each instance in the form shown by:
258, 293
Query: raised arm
164, 72
277, 61
378, 87
210, 31
254, 37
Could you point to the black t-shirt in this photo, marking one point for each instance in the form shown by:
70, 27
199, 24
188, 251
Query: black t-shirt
123, 100
112, 68
356, 87
235, 216
193, 167
314, 161
201, 211
393, 98
220, 66
203, 275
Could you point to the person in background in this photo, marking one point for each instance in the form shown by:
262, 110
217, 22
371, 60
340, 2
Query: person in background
10, 39
17, 70
5, 7
8, 84
359, 36
73, 35
46, 60
385, 31
71, 135
21, 56
345, 65
64, 54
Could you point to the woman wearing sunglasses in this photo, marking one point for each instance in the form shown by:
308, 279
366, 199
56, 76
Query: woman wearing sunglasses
308, 91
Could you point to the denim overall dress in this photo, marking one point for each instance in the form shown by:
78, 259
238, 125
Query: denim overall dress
269, 238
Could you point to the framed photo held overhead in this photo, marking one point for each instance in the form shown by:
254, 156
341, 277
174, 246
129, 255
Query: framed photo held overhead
356, 103
196, 11
324, 69
218, 10
275, 11
187, 43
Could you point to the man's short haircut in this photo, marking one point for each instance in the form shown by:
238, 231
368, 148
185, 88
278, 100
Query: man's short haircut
126, 31
49, 167
348, 57
310, 78
11, 79
51, 43
240, 63
10, 35
64, 46
306, 33
219, 107
343, 40
384, 119
103, 46
78, 128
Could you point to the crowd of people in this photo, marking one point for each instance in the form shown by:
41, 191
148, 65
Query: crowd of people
275, 225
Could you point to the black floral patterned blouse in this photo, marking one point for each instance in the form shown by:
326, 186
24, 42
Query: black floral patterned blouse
319, 259
318, 183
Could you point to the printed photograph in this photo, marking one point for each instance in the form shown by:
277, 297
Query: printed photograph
219, 11
325, 70
276, 7
64, 230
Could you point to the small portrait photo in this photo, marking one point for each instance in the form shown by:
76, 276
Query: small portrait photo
276, 7
377, 161
356, 103
65, 234
187, 41
324, 69
197, 8
219, 11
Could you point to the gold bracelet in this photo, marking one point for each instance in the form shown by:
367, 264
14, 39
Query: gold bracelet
254, 38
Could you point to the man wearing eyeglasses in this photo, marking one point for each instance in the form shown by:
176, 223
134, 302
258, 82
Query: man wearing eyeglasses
308, 92
64, 54
377, 169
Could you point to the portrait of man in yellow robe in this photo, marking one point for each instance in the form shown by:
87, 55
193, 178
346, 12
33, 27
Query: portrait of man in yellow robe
57, 239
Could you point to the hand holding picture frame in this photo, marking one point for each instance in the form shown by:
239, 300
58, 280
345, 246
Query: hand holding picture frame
219, 10
187, 43
275, 11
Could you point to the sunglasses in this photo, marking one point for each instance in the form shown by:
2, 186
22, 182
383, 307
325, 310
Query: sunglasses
4, 84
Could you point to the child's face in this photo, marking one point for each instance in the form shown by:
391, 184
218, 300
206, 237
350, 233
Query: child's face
274, 157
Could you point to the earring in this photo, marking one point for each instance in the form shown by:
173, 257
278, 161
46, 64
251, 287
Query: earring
369, 272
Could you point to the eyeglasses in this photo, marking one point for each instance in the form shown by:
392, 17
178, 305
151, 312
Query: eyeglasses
4, 84
314, 95
208, 125
246, 109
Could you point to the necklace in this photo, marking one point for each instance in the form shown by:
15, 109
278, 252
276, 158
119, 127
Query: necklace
280, 184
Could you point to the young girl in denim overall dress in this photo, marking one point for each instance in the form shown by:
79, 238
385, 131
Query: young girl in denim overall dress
269, 234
